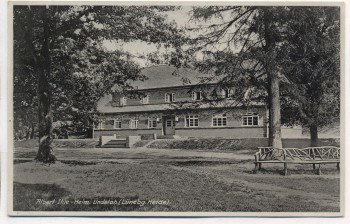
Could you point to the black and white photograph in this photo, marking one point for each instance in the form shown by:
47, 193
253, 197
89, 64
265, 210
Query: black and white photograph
176, 109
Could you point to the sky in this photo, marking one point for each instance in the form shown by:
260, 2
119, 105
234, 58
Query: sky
182, 17
138, 48
4, 218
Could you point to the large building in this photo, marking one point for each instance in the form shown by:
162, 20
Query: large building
170, 103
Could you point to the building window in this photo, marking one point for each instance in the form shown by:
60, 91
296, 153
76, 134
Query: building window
250, 119
219, 120
117, 124
123, 101
197, 95
170, 123
101, 125
227, 93
170, 97
152, 123
191, 121
145, 100
133, 124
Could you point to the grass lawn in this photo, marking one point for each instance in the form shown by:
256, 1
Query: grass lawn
180, 180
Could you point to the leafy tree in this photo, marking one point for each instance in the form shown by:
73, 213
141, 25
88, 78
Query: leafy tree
313, 68
68, 64
243, 47
259, 50
24, 98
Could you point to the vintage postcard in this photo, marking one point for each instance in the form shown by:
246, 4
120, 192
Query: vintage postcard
176, 108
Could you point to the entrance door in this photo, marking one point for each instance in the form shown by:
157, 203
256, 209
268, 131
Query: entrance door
169, 125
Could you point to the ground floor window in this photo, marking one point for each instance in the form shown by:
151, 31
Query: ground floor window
219, 120
250, 119
192, 121
152, 123
117, 124
133, 124
101, 125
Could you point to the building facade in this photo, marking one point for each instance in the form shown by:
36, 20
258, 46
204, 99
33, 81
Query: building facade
164, 105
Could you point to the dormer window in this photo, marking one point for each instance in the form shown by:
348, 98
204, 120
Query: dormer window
170, 97
196, 95
227, 93
145, 100
123, 101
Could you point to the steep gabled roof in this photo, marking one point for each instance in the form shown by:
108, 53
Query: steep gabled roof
162, 76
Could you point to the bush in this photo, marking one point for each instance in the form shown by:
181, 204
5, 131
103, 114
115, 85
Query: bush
233, 144
212, 144
141, 143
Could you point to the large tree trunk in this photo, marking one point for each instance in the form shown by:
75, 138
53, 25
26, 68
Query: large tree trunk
45, 152
27, 133
274, 112
273, 85
32, 133
313, 135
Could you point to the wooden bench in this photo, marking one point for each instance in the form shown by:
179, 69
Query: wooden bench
310, 155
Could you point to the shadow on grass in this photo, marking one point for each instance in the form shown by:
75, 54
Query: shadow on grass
18, 161
68, 162
78, 162
26, 198
265, 171
293, 171
25, 154
201, 163
208, 162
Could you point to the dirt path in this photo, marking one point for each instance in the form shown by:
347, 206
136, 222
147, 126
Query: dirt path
133, 153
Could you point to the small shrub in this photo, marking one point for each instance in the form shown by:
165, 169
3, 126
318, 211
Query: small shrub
141, 143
